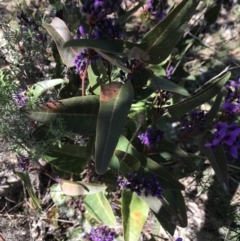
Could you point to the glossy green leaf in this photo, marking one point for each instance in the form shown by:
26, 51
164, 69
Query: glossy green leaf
159, 83
169, 227
116, 46
162, 38
79, 114
212, 13
200, 97
164, 209
127, 162
24, 176
68, 158
212, 114
114, 60
37, 89
170, 147
149, 167
99, 207
97, 75
218, 161
80, 188
134, 215
176, 201
115, 103
61, 34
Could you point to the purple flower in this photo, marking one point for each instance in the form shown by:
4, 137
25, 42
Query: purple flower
195, 121
107, 28
100, 8
179, 239
157, 9
102, 234
229, 108
80, 61
146, 186
227, 136
151, 137
232, 100
220, 133
23, 163
233, 150
21, 98
169, 72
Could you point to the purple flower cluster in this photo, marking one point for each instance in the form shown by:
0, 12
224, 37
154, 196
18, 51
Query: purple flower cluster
100, 8
195, 122
157, 10
23, 163
80, 61
147, 186
132, 64
102, 234
104, 28
107, 28
24, 20
169, 72
179, 239
226, 135
232, 102
21, 98
151, 137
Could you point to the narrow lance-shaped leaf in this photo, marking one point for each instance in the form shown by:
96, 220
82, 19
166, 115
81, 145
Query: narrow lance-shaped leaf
115, 103
149, 168
80, 188
199, 98
24, 176
68, 158
165, 84
99, 207
218, 161
134, 214
61, 34
162, 38
79, 114
38, 88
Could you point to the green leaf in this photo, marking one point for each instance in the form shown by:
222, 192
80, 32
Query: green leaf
115, 103
61, 34
212, 114
164, 209
68, 158
97, 75
116, 46
162, 38
159, 83
170, 147
128, 163
218, 161
24, 176
98, 206
149, 167
176, 201
114, 60
200, 97
121, 20
38, 88
169, 227
79, 114
134, 214
212, 13
80, 188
